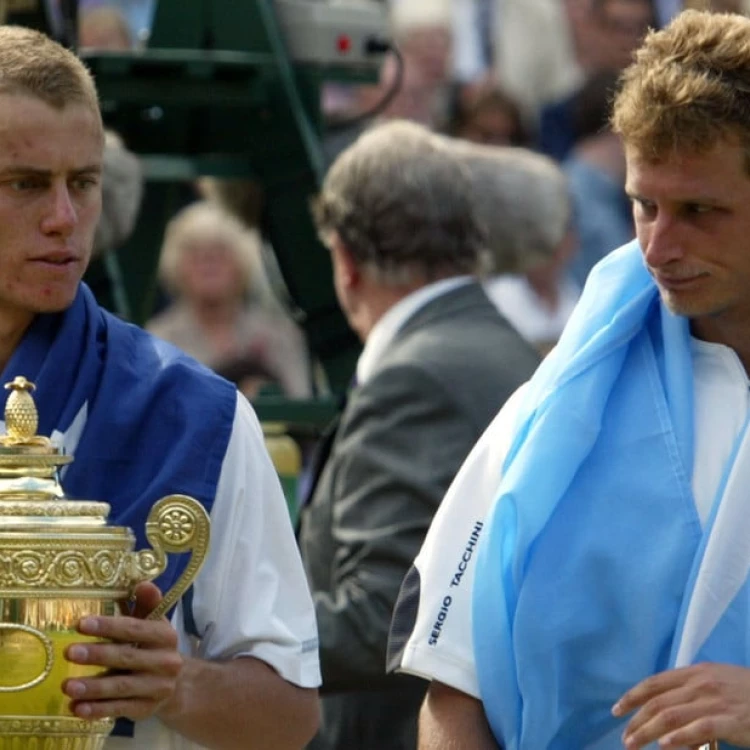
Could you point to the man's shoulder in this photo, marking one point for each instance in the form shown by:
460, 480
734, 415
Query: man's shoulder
149, 361
473, 341
464, 316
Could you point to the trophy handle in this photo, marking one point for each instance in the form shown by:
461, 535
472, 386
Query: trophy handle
176, 523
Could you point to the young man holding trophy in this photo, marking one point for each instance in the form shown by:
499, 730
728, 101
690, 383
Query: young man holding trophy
237, 665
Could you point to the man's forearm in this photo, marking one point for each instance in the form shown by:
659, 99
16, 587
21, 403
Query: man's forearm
241, 704
452, 720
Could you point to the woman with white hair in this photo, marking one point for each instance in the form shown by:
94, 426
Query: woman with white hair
223, 311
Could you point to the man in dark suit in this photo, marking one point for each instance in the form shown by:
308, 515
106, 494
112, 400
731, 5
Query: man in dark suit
438, 362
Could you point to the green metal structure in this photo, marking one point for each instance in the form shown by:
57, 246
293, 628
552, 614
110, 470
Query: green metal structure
216, 93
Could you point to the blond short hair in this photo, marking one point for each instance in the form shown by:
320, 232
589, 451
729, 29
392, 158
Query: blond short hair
688, 87
34, 65
205, 220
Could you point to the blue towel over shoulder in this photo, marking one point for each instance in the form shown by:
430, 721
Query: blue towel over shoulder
148, 420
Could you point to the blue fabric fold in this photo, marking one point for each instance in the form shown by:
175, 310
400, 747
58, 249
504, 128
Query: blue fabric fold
153, 421
582, 572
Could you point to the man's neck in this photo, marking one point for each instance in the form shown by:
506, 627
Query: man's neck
735, 335
375, 304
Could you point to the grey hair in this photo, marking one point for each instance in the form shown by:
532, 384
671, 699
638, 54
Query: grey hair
203, 220
522, 199
122, 190
402, 205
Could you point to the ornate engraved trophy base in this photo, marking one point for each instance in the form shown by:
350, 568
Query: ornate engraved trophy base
23, 733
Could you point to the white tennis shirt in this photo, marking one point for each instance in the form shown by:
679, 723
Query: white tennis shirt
251, 597
441, 645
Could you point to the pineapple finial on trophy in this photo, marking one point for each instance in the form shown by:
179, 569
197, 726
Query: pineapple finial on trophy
21, 418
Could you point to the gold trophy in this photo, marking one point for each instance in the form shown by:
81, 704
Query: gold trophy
59, 561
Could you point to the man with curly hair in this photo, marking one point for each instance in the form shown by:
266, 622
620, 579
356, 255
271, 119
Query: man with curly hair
611, 599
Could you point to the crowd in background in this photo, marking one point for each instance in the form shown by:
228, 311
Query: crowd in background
531, 74
530, 81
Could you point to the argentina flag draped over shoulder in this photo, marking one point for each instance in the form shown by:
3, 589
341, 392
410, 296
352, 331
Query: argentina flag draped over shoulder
594, 551
141, 419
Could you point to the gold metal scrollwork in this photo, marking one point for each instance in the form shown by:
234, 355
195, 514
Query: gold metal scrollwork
176, 524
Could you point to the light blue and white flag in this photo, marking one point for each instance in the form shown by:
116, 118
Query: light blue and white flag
595, 571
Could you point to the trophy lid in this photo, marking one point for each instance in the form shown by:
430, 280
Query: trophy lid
56, 548
29, 462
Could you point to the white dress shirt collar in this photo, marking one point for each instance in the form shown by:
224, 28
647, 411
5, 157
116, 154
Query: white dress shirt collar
385, 330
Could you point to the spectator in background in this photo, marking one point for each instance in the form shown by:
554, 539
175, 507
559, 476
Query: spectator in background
488, 115
104, 28
541, 51
596, 174
136, 14
422, 32
122, 191
223, 309
525, 46
605, 34
420, 75
522, 200
396, 213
